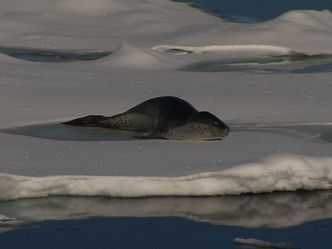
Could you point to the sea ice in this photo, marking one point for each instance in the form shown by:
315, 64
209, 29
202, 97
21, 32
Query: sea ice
39, 162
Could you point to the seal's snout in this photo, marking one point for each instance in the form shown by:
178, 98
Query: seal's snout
221, 130
223, 127
215, 128
227, 130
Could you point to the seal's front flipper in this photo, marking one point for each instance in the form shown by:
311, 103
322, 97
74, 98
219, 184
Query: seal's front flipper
91, 120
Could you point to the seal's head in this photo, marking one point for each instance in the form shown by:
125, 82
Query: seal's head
209, 126
200, 126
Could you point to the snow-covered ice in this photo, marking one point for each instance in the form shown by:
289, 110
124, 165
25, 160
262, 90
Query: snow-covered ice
281, 137
280, 173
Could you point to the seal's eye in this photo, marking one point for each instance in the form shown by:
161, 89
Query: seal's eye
215, 122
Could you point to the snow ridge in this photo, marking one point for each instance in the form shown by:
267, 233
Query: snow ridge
275, 173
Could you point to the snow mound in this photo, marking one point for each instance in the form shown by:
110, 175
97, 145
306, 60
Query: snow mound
309, 18
128, 56
275, 173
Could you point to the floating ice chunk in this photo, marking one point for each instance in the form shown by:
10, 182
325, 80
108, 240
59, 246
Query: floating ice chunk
4, 218
306, 31
252, 57
263, 244
254, 48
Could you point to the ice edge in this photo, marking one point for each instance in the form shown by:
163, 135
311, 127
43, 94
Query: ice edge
284, 172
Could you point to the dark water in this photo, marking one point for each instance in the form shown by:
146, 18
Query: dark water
159, 233
257, 10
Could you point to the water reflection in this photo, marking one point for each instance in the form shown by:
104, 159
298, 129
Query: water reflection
265, 210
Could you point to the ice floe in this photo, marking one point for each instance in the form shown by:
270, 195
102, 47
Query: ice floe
36, 162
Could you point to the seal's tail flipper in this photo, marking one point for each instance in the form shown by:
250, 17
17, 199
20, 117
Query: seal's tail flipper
91, 120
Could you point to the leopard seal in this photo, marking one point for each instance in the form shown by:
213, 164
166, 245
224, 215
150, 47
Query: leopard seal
165, 117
